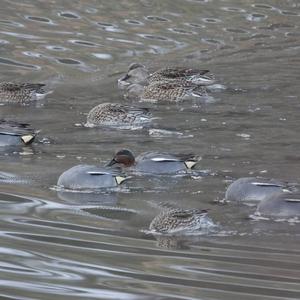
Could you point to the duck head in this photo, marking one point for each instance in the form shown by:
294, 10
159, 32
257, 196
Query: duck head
137, 73
123, 157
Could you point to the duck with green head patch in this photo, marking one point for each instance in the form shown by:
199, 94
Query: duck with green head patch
156, 162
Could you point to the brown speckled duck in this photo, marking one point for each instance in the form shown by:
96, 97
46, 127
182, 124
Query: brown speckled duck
21, 92
180, 221
114, 114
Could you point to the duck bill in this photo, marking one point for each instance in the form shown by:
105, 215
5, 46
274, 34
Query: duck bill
111, 163
190, 164
27, 139
120, 179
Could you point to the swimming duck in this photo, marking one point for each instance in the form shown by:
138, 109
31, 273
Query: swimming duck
182, 75
21, 92
155, 162
254, 189
172, 92
14, 133
137, 73
280, 205
85, 177
180, 221
112, 114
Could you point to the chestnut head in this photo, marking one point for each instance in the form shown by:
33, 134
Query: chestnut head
123, 157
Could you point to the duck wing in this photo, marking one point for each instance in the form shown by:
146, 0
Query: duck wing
180, 72
186, 214
15, 128
14, 87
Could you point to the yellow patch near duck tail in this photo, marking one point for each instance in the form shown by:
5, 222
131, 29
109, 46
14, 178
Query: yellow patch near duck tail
120, 179
27, 139
190, 164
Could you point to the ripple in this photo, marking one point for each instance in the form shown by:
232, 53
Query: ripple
11, 23
212, 41
32, 54
56, 48
69, 15
68, 61
134, 22
233, 9
236, 30
83, 43
199, 1
102, 55
211, 20
109, 27
21, 35
15, 63
4, 42
154, 37
195, 25
181, 31
39, 19
124, 41
289, 13
156, 19
263, 6
256, 17
91, 10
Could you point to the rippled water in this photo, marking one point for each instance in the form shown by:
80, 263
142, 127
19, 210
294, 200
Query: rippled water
85, 246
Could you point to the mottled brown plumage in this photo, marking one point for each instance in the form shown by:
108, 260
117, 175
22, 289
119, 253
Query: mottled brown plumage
180, 220
176, 73
172, 91
20, 92
117, 114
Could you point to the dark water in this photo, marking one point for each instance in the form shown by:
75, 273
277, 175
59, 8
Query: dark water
84, 246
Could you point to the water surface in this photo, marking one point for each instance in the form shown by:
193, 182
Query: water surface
86, 246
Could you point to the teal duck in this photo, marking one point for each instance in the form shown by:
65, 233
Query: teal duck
90, 177
155, 162
254, 189
180, 221
172, 92
114, 114
21, 92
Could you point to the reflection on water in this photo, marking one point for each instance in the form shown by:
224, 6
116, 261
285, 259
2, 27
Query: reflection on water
89, 245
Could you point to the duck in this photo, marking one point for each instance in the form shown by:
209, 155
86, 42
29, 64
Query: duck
280, 204
21, 92
90, 177
255, 189
13, 133
179, 220
136, 74
166, 92
155, 162
113, 114
139, 74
